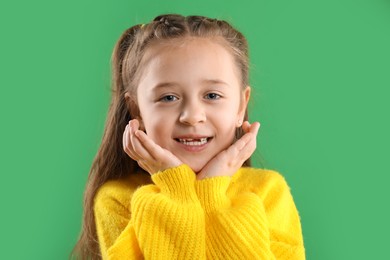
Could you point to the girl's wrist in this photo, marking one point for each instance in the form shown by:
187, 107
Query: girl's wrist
212, 192
177, 182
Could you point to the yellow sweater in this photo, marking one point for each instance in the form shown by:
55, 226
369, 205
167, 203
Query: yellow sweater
251, 215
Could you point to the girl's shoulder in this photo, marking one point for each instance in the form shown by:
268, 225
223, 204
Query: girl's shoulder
258, 176
260, 181
121, 190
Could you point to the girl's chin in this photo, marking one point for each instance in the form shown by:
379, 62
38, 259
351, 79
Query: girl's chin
195, 166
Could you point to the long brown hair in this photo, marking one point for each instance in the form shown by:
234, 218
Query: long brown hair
111, 162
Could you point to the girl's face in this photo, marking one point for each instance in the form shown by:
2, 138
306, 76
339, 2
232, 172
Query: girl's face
190, 98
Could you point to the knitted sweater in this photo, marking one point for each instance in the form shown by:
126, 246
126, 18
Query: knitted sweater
250, 215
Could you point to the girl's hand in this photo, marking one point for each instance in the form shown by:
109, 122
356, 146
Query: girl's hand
227, 162
150, 156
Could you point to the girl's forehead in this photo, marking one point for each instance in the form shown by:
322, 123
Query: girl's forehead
193, 63
188, 48
182, 43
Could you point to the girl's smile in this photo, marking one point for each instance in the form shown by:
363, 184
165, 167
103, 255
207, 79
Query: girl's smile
190, 98
193, 143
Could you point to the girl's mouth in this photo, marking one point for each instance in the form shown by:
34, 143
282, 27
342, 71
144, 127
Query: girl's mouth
193, 141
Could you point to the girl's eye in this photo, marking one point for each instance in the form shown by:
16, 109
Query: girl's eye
212, 96
168, 98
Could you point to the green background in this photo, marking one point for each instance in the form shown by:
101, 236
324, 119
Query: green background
320, 71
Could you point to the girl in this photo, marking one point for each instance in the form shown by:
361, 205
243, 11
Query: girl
171, 179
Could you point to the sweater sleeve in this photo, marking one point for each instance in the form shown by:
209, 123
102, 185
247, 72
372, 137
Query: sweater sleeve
284, 221
113, 224
164, 220
256, 224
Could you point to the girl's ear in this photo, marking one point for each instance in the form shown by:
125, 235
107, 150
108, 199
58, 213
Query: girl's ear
243, 105
129, 102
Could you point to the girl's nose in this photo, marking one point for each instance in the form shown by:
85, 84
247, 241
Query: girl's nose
192, 114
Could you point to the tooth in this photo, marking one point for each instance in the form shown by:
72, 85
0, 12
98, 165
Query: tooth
193, 142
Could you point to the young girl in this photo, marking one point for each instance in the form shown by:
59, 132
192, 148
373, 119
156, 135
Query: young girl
172, 179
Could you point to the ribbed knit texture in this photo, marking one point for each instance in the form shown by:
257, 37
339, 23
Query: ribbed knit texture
251, 215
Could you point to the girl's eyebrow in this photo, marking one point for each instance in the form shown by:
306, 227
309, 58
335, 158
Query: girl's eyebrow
215, 81
203, 82
164, 85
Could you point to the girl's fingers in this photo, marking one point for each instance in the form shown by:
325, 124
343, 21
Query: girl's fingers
131, 144
156, 152
250, 146
124, 138
127, 146
254, 128
229, 161
243, 148
148, 145
241, 143
149, 156
138, 147
251, 131
245, 126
